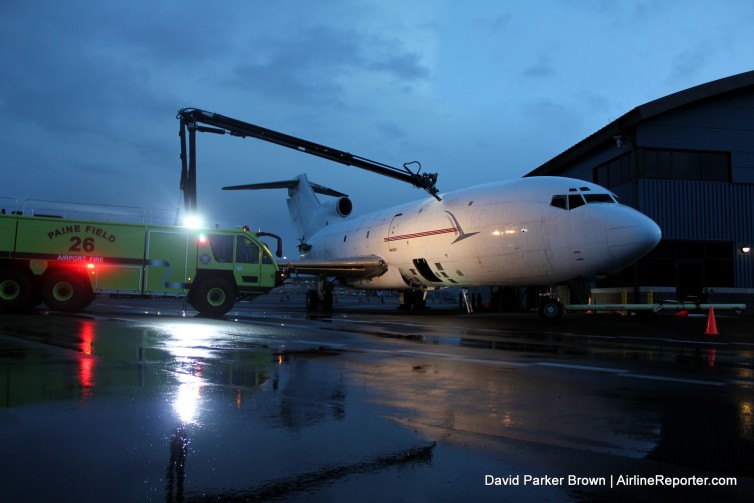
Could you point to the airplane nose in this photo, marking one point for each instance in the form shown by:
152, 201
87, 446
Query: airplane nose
631, 234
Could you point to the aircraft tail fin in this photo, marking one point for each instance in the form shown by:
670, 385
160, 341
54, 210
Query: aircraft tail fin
307, 213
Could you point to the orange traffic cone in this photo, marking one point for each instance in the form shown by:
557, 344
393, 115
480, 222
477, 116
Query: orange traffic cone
711, 323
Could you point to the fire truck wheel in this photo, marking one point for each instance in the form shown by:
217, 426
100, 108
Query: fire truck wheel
64, 291
15, 290
214, 297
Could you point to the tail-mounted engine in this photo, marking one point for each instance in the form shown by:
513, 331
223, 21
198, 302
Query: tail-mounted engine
338, 208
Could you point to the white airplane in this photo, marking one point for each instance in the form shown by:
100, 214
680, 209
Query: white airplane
536, 231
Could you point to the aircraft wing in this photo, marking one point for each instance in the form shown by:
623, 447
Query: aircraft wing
347, 268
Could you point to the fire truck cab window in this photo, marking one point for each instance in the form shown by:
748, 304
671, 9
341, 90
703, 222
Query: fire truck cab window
222, 247
266, 257
247, 252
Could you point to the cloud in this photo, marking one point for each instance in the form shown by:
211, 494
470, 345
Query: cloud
91, 89
687, 64
551, 119
73, 67
315, 64
493, 24
390, 130
543, 68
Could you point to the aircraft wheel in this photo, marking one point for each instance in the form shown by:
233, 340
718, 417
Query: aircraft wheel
214, 297
15, 290
64, 291
312, 300
550, 309
327, 301
417, 300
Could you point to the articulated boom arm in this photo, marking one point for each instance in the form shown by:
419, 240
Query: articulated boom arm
191, 118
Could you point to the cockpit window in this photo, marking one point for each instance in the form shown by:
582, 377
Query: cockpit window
559, 202
572, 201
599, 198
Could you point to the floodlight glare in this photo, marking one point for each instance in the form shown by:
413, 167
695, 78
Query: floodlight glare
193, 221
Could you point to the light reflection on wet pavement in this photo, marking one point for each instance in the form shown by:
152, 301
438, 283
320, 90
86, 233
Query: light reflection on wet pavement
260, 407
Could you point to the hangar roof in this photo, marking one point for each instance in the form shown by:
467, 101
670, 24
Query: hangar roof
629, 120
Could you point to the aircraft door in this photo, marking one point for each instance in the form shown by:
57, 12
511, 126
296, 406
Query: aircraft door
392, 233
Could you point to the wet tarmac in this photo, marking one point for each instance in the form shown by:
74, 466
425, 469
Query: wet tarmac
144, 401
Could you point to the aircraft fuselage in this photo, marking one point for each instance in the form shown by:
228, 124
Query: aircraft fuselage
527, 231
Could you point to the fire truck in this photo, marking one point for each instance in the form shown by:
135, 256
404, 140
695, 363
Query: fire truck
51, 257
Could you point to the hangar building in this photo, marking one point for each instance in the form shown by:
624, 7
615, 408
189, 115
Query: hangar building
687, 162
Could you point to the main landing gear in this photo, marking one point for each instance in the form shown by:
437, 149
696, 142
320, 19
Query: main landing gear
413, 300
313, 300
322, 297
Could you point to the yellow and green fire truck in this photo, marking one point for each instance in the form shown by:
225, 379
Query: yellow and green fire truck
64, 263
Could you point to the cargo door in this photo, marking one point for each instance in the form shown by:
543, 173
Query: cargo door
392, 234
166, 262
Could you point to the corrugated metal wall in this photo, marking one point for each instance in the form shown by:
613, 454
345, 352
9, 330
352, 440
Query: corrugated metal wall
690, 210
625, 194
704, 211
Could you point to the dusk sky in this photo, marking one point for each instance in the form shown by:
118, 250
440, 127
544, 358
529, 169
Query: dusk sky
476, 91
